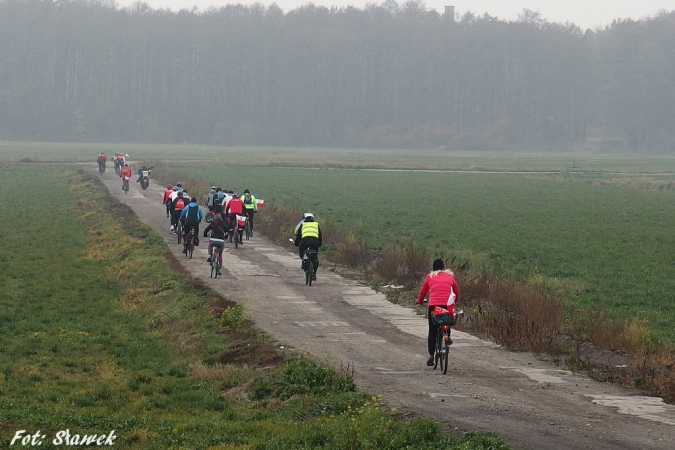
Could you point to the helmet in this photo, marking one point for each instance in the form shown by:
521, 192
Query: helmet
180, 193
213, 187
179, 185
168, 186
308, 214
235, 195
246, 191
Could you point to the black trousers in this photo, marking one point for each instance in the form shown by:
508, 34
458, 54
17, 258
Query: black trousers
250, 213
175, 215
433, 330
310, 243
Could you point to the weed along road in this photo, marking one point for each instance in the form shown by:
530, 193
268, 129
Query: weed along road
530, 403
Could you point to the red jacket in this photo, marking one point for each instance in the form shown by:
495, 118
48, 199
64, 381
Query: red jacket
125, 172
438, 286
167, 193
235, 206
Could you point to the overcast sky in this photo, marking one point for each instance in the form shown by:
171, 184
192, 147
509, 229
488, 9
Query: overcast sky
584, 13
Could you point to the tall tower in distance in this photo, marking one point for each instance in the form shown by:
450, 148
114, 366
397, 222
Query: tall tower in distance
450, 13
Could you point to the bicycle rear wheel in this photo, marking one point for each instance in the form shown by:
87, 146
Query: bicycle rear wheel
445, 350
247, 230
308, 277
191, 248
179, 232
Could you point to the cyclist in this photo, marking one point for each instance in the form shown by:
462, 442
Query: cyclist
177, 206
443, 291
218, 229
125, 172
250, 207
191, 217
101, 159
218, 200
308, 235
209, 198
165, 202
235, 207
119, 160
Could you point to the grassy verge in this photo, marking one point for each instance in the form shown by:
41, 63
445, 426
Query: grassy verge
100, 334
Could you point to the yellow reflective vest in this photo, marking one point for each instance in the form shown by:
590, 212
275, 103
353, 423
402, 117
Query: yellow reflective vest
310, 229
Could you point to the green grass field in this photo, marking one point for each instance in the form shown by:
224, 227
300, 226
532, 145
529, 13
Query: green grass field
607, 245
98, 333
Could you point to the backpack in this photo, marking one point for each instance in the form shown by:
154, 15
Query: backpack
180, 204
247, 199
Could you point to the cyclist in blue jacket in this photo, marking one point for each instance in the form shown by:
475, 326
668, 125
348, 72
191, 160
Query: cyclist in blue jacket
191, 217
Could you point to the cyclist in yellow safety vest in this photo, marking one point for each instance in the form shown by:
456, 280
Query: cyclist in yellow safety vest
308, 235
250, 207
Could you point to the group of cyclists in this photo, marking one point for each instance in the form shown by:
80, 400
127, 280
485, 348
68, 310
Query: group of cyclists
119, 161
223, 208
225, 205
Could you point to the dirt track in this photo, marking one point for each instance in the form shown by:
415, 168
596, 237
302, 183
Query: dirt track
530, 403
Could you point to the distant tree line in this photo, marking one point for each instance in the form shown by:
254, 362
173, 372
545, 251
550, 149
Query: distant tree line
392, 75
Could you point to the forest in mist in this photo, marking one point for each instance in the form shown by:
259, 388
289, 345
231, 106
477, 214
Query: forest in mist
386, 75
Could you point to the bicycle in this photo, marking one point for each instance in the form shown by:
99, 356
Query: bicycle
242, 222
216, 257
247, 229
179, 230
189, 243
310, 261
125, 185
444, 321
230, 234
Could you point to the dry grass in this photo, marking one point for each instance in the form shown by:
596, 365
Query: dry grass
513, 313
402, 264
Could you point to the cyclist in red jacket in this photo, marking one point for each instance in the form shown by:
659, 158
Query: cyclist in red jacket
125, 172
167, 194
443, 291
234, 208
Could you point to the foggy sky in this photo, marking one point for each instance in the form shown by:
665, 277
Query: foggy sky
584, 13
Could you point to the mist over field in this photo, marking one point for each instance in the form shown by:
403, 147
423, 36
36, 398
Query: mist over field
389, 75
